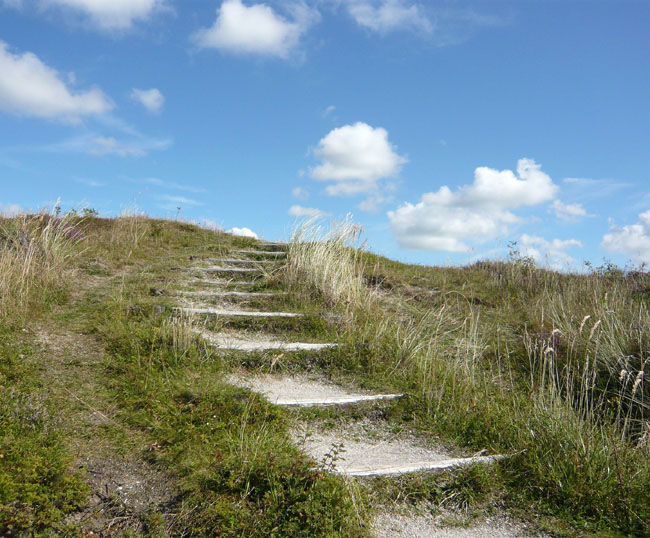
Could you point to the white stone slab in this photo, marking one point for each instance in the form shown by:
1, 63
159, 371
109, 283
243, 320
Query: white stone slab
241, 313
386, 457
303, 392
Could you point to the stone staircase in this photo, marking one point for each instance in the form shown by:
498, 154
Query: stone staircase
369, 450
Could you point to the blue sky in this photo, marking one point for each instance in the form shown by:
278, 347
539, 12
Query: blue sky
448, 129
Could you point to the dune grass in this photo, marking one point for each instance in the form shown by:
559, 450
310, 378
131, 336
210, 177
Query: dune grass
503, 356
511, 358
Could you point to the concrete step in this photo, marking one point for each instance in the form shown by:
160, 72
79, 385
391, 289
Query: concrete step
219, 269
237, 294
386, 455
238, 313
278, 253
236, 261
252, 343
299, 391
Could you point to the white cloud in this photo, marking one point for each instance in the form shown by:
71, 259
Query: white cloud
446, 220
257, 29
355, 157
153, 100
11, 210
632, 239
385, 16
111, 14
568, 211
300, 193
28, 87
554, 253
243, 232
13, 4
301, 211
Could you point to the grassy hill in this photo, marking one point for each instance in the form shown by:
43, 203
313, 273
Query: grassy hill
116, 418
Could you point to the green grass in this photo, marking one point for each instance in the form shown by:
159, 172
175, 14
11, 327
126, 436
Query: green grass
502, 356
549, 368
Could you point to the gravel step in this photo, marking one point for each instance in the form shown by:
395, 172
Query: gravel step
304, 392
241, 313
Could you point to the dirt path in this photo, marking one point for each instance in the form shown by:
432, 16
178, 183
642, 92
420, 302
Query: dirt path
124, 488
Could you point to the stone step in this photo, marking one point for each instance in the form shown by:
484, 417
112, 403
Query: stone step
239, 313
416, 467
218, 269
298, 391
261, 252
238, 294
273, 245
236, 261
256, 344
224, 282
390, 456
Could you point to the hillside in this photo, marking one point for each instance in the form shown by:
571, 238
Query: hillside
160, 379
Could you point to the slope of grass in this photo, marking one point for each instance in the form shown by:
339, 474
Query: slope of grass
503, 356
508, 357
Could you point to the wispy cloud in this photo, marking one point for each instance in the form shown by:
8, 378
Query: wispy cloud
99, 145
171, 185
172, 203
588, 188
89, 182
301, 211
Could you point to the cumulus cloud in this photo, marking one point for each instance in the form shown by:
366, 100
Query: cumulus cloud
301, 211
300, 193
446, 220
568, 211
388, 15
554, 253
257, 29
632, 239
355, 157
243, 232
28, 87
153, 100
111, 14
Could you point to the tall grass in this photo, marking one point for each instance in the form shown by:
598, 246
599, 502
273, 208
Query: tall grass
323, 261
566, 390
34, 258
